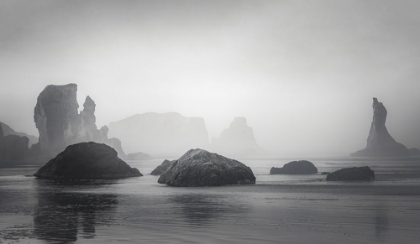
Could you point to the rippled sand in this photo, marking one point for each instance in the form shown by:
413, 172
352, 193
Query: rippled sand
278, 209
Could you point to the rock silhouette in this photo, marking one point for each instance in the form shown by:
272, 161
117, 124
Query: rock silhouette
163, 167
60, 124
7, 130
238, 139
87, 160
352, 174
296, 167
380, 143
198, 167
160, 134
13, 148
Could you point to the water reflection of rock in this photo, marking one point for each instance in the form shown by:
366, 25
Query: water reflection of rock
199, 209
61, 216
381, 223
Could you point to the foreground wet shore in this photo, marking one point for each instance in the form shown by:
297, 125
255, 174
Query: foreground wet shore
285, 209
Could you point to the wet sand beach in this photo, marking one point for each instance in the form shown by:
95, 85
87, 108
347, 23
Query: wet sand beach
278, 209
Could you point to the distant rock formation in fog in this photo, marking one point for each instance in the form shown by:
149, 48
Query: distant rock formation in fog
380, 143
13, 147
87, 160
60, 124
164, 134
238, 139
7, 130
198, 167
138, 156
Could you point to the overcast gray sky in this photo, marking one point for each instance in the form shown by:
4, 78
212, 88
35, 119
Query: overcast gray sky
302, 72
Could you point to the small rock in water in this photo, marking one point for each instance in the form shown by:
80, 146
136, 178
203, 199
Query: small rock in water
352, 174
163, 167
296, 167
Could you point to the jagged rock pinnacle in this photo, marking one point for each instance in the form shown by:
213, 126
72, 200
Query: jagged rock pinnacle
380, 143
59, 123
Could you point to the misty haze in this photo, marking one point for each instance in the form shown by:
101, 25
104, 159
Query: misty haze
181, 121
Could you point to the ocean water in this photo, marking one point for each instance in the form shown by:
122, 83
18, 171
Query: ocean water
277, 209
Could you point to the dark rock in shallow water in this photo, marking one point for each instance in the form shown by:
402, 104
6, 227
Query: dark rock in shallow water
88, 160
380, 143
163, 167
352, 174
325, 173
296, 167
137, 156
414, 152
198, 167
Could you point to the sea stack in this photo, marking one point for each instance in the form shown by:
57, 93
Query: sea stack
198, 167
87, 160
380, 143
238, 139
60, 124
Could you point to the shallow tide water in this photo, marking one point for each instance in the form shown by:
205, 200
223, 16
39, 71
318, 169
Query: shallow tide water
278, 209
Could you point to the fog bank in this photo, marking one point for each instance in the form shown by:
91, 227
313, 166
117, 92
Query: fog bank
303, 73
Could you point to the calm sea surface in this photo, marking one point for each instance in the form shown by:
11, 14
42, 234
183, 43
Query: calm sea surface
278, 209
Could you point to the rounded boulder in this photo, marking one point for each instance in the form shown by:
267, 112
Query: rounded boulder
198, 167
87, 160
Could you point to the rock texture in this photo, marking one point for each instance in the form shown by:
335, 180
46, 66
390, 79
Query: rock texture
296, 167
137, 156
60, 124
87, 160
160, 135
352, 174
13, 148
198, 167
7, 130
163, 167
238, 139
380, 143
